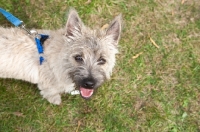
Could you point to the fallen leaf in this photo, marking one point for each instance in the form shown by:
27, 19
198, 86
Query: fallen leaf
104, 26
154, 43
88, 2
79, 123
19, 114
137, 55
183, 1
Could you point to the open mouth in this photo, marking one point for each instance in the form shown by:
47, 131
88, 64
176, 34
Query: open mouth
86, 93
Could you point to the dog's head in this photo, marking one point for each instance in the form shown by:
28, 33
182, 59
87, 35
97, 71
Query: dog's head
91, 53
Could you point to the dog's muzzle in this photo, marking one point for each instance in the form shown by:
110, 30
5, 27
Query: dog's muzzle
87, 87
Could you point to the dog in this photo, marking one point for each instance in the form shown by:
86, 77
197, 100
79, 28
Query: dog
75, 57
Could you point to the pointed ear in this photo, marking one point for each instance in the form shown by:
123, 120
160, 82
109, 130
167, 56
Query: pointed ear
114, 29
74, 24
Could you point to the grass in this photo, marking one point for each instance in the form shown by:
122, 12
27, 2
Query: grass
159, 90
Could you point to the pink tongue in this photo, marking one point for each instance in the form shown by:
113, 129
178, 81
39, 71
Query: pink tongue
86, 92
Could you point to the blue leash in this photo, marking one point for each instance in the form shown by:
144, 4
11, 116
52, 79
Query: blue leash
15, 21
39, 39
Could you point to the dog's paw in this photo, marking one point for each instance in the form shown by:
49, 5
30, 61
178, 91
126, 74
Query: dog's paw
56, 100
51, 97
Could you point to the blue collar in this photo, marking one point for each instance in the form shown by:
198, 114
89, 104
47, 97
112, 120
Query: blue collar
39, 38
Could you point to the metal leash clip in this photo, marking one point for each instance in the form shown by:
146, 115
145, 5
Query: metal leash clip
30, 32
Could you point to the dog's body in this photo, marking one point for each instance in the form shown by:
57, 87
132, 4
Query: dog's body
75, 56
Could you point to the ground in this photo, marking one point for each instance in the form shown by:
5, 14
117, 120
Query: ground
156, 82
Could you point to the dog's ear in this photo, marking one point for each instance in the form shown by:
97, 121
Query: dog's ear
74, 24
114, 29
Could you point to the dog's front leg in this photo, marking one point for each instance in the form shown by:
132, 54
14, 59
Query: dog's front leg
52, 95
49, 86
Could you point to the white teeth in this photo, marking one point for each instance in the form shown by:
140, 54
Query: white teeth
75, 92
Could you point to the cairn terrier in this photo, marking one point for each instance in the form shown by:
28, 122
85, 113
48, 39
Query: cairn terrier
74, 57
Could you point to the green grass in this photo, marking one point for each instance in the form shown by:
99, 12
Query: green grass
157, 91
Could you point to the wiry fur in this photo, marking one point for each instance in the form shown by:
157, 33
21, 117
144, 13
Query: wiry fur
60, 72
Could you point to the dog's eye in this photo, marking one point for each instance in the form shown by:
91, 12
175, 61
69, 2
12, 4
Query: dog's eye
101, 61
78, 58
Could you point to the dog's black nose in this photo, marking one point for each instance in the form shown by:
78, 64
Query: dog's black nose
88, 83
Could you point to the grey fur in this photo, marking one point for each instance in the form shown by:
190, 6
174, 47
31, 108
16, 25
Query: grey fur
74, 56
